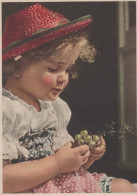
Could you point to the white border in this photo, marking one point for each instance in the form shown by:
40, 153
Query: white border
1, 69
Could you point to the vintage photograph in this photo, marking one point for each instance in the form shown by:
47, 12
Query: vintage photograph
69, 121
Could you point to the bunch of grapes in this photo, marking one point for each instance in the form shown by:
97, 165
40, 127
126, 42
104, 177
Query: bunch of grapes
85, 138
92, 140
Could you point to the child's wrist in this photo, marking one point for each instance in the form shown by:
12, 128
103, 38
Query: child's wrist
57, 163
52, 164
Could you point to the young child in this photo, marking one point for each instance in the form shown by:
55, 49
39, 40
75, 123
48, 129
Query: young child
40, 48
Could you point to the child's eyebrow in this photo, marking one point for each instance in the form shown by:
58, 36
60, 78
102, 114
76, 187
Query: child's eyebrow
57, 61
61, 63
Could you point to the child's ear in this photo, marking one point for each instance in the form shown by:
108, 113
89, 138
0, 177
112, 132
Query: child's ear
17, 74
18, 71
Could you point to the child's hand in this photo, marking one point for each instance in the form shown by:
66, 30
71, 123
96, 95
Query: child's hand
70, 159
99, 151
96, 154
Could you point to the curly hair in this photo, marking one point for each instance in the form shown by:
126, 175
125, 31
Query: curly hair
87, 54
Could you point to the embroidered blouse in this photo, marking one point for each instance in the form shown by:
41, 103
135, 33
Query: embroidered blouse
29, 134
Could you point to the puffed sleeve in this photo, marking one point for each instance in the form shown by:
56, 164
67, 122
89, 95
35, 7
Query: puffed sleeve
63, 113
15, 125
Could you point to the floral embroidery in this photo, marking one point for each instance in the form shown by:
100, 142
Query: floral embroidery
105, 184
38, 143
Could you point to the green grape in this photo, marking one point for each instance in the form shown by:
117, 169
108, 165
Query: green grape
81, 141
84, 138
78, 137
84, 132
88, 138
96, 138
92, 145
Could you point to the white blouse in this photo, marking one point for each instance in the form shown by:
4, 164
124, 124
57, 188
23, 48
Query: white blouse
23, 126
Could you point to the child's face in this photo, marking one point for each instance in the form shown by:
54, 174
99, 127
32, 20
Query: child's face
45, 80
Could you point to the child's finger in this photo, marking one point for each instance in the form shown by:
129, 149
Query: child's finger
100, 149
82, 149
86, 156
101, 144
101, 141
96, 156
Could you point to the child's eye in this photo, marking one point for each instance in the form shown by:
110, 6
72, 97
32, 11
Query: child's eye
52, 69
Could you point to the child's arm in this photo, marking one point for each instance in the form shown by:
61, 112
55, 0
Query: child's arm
23, 176
96, 154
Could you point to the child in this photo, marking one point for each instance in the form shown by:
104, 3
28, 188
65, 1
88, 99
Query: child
40, 48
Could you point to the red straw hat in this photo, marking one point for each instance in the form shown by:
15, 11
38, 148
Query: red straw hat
34, 26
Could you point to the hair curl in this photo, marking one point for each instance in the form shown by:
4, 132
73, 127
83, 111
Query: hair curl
87, 54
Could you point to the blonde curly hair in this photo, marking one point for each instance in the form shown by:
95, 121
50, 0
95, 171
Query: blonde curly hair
87, 54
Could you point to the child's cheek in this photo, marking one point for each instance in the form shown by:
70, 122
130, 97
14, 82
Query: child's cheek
47, 80
66, 83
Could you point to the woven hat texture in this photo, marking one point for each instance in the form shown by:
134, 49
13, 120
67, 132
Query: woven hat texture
34, 26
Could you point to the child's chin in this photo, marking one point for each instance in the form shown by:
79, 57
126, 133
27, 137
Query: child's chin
51, 98
54, 98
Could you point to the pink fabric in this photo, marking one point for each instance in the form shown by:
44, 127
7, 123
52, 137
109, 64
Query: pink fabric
72, 182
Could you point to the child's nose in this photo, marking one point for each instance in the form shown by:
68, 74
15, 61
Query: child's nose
62, 77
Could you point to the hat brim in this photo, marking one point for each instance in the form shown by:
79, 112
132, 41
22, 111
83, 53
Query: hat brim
42, 36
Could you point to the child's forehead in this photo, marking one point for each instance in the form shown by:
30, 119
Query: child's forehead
62, 52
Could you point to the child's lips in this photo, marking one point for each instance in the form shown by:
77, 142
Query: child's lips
57, 90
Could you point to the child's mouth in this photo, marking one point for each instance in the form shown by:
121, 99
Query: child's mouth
57, 90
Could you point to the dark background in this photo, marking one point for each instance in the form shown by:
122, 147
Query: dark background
93, 96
